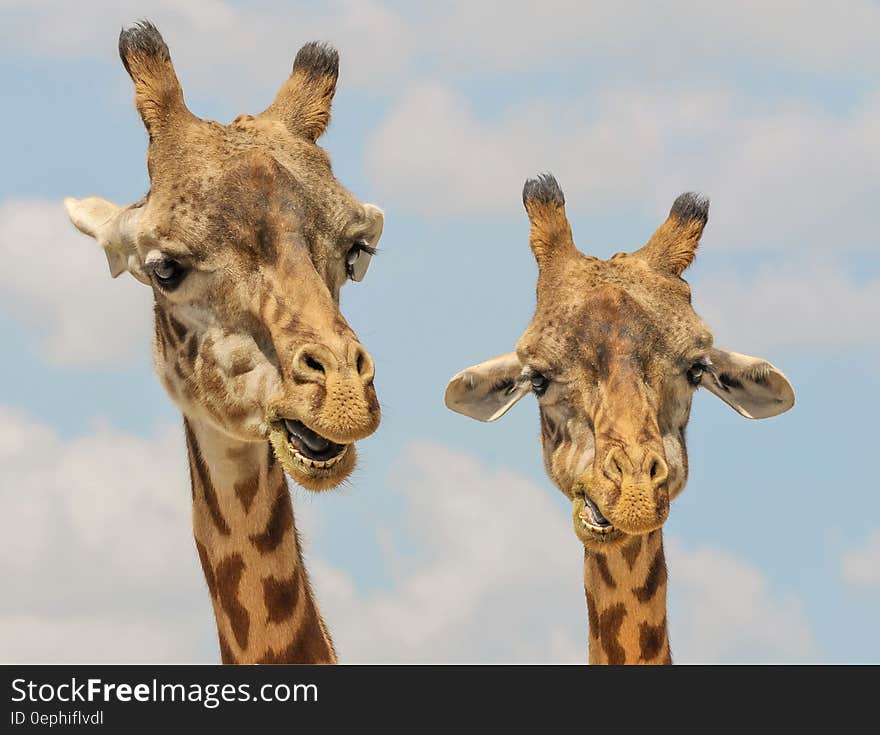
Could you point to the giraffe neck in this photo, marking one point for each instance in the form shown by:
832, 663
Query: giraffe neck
247, 543
626, 602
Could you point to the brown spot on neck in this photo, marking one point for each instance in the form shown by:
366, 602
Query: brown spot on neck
263, 604
592, 615
209, 494
610, 621
655, 578
604, 572
627, 618
632, 550
207, 569
226, 654
246, 490
310, 644
280, 521
652, 639
229, 573
281, 596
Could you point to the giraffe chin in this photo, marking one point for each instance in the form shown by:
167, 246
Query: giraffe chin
309, 472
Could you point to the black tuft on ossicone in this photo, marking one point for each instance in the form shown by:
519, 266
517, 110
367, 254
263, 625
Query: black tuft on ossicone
545, 189
691, 206
318, 59
142, 39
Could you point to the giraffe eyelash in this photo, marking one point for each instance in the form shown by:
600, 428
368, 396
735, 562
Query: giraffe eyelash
694, 373
168, 273
357, 259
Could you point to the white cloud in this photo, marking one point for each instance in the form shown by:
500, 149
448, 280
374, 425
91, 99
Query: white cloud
97, 556
668, 34
861, 567
789, 175
492, 572
723, 609
56, 281
786, 306
171, 638
98, 565
382, 41
217, 45
487, 570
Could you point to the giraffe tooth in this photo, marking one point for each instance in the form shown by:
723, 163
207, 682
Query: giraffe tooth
317, 463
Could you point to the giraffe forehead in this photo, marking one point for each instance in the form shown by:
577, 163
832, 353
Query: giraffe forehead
609, 310
228, 197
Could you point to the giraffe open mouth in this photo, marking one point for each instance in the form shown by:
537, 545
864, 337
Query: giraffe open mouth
310, 448
593, 519
590, 525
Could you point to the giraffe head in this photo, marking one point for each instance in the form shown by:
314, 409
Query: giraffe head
614, 354
245, 239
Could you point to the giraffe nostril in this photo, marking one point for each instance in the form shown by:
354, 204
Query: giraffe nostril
613, 467
364, 364
313, 363
656, 468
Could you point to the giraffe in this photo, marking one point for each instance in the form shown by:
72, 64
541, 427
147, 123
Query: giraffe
246, 238
614, 353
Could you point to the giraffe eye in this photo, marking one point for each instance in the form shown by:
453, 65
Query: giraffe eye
539, 383
168, 273
357, 260
695, 372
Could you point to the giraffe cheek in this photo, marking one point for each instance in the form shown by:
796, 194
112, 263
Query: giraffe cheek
582, 461
676, 460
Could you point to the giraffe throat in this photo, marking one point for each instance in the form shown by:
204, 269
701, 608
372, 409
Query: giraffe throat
247, 543
625, 588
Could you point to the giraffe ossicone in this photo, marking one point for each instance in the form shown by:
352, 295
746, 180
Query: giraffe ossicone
614, 354
246, 238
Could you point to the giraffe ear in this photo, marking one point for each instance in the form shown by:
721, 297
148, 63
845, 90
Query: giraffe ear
304, 100
115, 229
673, 246
751, 386
487, 391
550, 232
158, 94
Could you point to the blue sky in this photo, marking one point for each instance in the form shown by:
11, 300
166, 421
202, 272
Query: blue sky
450, 544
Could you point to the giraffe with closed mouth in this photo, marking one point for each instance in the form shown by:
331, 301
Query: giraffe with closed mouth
614, 354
